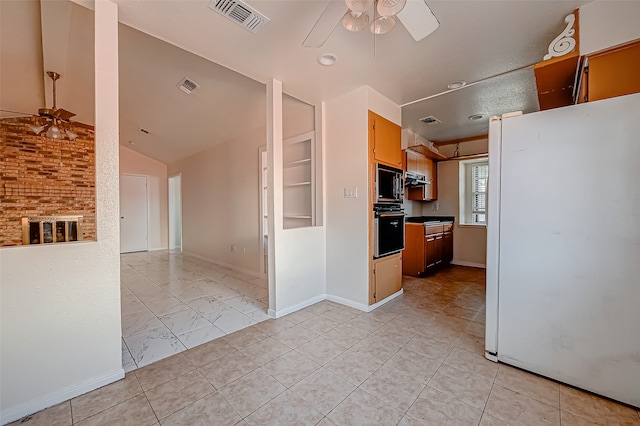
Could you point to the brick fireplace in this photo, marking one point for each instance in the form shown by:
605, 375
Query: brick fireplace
45, 178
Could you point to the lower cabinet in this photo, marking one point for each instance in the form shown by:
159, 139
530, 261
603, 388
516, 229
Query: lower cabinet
426, 248
387, 277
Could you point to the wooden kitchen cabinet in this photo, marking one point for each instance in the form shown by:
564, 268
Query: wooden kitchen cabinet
447, 246
614, 72
386, 140
387, 277
413, 256
429, 191
427, 247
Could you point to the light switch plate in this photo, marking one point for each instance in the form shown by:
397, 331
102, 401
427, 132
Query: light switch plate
351, 192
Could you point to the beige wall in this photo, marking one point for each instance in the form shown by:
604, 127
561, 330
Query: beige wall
220, 202
134, 163
608, 23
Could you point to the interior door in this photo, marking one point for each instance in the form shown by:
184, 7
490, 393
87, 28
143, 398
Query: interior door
133, 213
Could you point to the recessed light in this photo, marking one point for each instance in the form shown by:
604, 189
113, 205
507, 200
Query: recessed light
476, 117
456, 85
327, 59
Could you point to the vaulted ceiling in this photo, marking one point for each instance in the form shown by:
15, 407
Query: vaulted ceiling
163, 41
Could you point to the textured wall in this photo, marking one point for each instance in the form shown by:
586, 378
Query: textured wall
40, 176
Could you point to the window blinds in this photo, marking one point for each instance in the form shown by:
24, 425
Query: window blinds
479, 174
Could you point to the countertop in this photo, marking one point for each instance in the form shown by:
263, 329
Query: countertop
430, 219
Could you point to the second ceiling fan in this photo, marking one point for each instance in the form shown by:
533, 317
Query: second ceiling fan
377, 15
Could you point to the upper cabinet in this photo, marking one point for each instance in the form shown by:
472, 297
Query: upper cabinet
614, 72
386, 140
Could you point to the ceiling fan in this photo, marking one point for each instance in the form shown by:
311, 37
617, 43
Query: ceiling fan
56, 119
377, 15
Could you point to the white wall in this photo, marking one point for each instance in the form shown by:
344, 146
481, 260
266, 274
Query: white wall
297, 263
346, 162
60, 328
220, 202
608, 23
134, 163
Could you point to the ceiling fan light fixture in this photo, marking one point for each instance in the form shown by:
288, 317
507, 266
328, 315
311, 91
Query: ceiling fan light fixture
71, 135
54, 132
383, 24
389, 8
355, 21
359, 6
36, 129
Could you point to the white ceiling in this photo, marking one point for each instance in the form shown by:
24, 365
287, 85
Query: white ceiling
475, 40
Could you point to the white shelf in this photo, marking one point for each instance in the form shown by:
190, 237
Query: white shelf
298, 163
291, 185
287, 216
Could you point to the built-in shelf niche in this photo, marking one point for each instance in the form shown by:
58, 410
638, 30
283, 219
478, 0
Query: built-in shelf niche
299, 181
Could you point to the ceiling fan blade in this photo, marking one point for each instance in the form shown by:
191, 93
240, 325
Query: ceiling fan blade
325, 25
63, 114
418, 19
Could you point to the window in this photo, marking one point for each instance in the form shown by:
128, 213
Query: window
473, 191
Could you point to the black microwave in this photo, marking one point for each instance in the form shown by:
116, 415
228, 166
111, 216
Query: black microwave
389, 184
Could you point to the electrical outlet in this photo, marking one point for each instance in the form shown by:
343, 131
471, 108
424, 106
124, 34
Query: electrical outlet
244, 250
435, 206
234, 248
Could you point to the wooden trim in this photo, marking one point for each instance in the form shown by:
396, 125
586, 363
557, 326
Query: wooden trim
462, 140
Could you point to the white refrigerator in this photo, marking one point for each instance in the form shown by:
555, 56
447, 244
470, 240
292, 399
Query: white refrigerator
563, 245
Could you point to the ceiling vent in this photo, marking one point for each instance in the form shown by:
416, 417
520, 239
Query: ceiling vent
430, 120
240, 13
187, 85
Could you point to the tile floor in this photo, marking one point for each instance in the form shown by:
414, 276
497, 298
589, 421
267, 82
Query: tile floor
171, 303
417, 360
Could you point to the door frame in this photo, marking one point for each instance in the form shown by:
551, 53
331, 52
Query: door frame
146, 194
179, 174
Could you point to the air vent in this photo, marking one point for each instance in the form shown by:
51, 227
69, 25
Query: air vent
187, 85
240, 13
430, 120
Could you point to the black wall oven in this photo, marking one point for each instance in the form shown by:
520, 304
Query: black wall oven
388, 231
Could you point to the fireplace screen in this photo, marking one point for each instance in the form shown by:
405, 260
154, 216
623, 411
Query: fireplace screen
51, 229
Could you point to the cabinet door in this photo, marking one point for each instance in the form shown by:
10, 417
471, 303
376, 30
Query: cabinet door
387, 276
386, 140
412, 161
447, 247
614, 73
413, 254
430, 252
423, 166
431, 190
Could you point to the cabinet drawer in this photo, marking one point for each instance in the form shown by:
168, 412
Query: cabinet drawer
447, 227
432, 229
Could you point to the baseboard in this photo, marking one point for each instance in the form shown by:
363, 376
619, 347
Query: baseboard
297, 307
471, 264
383, 301
39, 404
226, 265
347, 302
